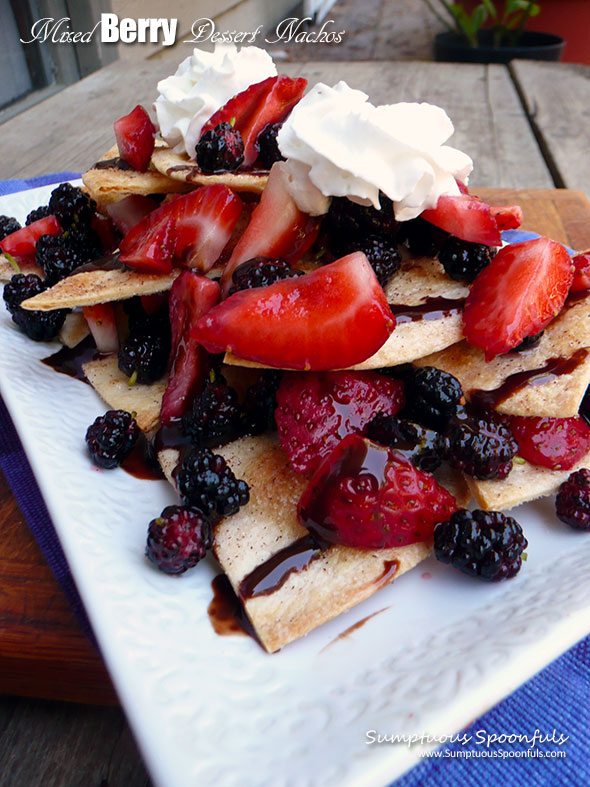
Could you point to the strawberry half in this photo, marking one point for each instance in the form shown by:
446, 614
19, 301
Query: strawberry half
370, 497
129, 211
191, 230
581, 282
556, 443
22, 242
316, 410
269, 101
191, 296
103, 326
468, 218
517, 295
135, 138
331, 318
277, 228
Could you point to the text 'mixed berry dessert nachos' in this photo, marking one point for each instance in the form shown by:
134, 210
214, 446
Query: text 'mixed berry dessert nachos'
294, 308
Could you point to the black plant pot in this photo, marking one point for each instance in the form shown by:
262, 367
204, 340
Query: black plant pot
452, 47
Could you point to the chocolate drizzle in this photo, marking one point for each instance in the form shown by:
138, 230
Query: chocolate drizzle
225, 612
141, 462
110, 263
274, 572
431, 309
112, 163
69, 360
555, 367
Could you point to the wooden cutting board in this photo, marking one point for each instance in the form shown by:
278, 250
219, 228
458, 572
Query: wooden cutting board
43, 652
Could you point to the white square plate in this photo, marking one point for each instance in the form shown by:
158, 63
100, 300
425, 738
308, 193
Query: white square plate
211, 710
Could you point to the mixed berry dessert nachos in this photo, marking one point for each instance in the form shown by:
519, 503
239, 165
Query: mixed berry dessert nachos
325, 346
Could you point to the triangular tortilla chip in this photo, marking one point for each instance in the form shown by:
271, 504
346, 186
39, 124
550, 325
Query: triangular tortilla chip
74, 330
559, 397
7, 271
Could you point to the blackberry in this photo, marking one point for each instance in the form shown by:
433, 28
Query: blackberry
347, 222
111, 438
464, 261
178, 539
484, 544
145, 354
220, 149
70, 205
421, 237
260, 404
260, 272
56, 258
37, 325
432, 396
268, 145
382, 254
38, 213
572, 504
528, 342
479, 446
85, 242
215, 418
8, 225
207, 483
425, 448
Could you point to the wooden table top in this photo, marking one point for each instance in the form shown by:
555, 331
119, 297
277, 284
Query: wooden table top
523, 125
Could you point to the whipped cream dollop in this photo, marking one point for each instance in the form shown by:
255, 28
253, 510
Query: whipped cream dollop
202, 84
338, 144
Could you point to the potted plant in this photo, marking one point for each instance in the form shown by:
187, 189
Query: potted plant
491, 32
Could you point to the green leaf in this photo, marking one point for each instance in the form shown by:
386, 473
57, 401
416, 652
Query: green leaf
12, 261
478, 17
491, 8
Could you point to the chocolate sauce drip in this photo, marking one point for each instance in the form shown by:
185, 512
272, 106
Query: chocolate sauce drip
69, 360
112, 163
225, 612
431, 309
110, 263
555, 367
142, 462
194, 169
274, 572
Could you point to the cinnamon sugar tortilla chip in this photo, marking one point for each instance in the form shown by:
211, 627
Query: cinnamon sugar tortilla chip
113, 386
526, 482
7, 271
331, 584
559, 397
418, 279
182, 170
112, 184
100, 286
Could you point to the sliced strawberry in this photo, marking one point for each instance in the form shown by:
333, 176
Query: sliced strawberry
316, 410
152, 304
22, 242
331, 318
581, 282
366, 496
107, 233
103, 326
556, 443
277, 228
269, 101
129, 211
191, 296
191, 230
468, 218
508, 217
517, 295
135, 138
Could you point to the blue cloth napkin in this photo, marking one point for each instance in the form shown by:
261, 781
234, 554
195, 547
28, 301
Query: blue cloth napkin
556, 702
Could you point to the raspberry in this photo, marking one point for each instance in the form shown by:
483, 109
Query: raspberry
370, 497
177, 539
484, 544
56, 258
260, 272
8, 225
38, 213
207, 483
423, 447
111, 438
481, 447
220, 150
432, 395
317, 409
463, 260
40, 326
572, 504
268, 146
70, 205
260, 404
382, 254
215, 416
